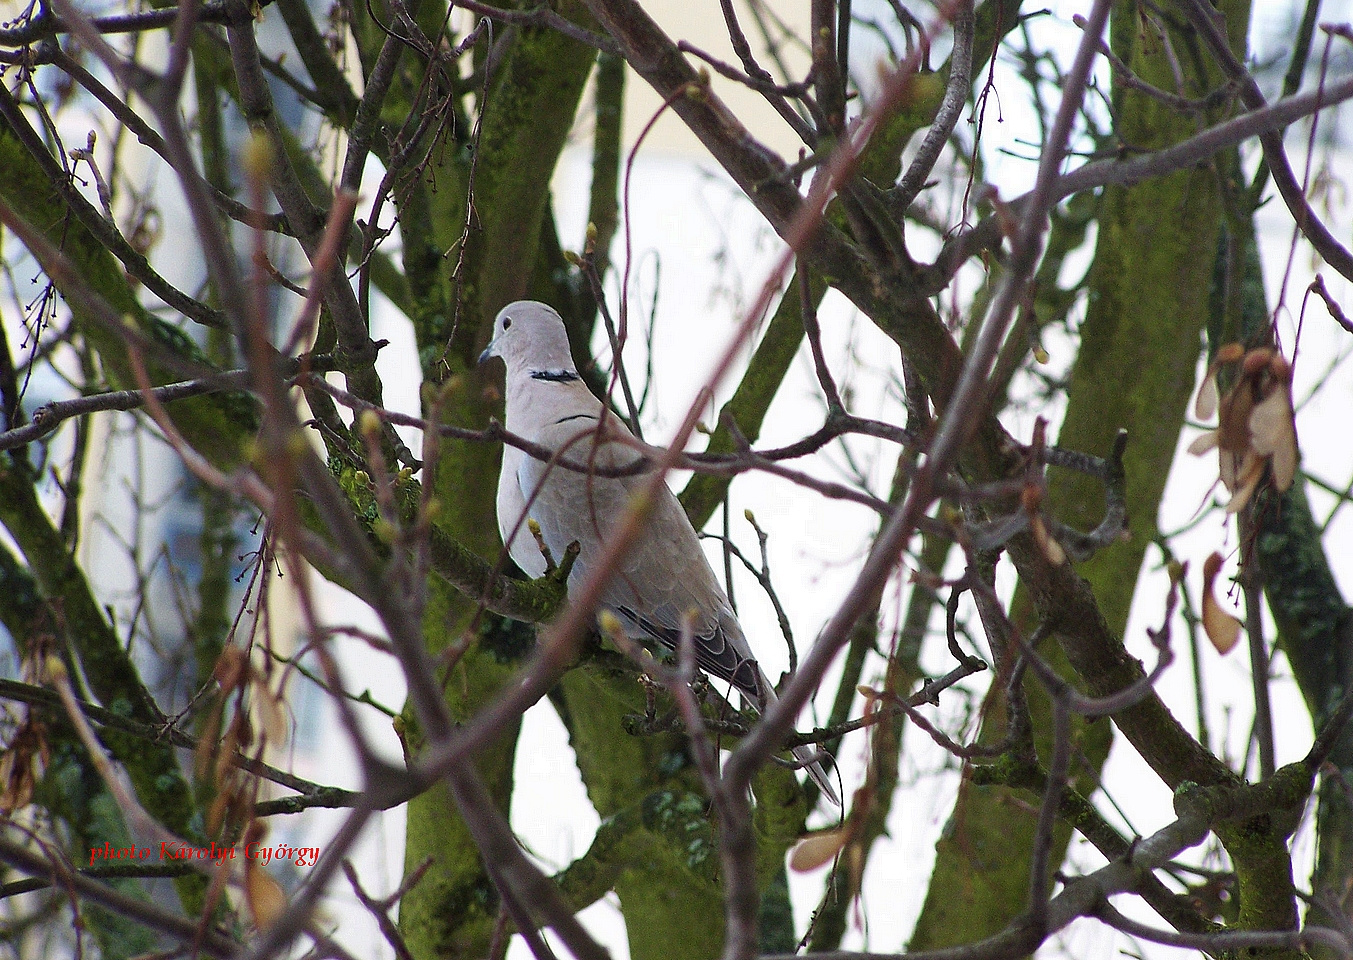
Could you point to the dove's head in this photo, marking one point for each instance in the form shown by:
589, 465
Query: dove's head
530, 336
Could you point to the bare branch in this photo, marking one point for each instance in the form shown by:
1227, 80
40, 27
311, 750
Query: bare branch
1224, 941
48, 417
1206, 20
943, 449
543, 17
44, 25
951, 108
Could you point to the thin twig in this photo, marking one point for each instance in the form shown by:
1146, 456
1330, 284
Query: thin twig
45, 25
813, 332
956, 94
1230, 941
1259, 668
951, 432
1204, 18
37, 696
1128, 78
1318, 288
49, 416
543, 16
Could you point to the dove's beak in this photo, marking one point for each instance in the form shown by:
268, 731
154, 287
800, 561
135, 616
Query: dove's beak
489, 351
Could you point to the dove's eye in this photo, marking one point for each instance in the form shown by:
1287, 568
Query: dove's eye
507, 322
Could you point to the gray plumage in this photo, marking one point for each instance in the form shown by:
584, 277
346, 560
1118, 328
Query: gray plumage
665, 576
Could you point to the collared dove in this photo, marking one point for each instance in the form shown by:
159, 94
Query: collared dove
665, 576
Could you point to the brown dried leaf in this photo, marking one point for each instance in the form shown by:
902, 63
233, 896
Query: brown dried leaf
1285, 465
854, 857
1255, 361
230, 667
1250, 473
1255, 422
1223, 629
1273, 434
21, 764
273, 716
1233, 418
225, 756
1227, 469
1047, 542
817, 849
207, 742
16, 782
263, 895
1205, 407
216, 813
1203, 443
1206, 404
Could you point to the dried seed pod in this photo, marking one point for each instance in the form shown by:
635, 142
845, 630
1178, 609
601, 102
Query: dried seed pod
1255, 422
1223, 629
817, 849
263, 895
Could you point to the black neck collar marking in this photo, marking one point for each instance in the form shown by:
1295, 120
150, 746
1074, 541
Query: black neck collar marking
554, 376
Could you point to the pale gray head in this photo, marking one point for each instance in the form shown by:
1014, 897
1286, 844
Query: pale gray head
530, 337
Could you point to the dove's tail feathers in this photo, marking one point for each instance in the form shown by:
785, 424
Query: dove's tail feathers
808, 756
724, 656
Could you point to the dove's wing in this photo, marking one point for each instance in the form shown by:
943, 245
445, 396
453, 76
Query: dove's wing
521, 545
664, 578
